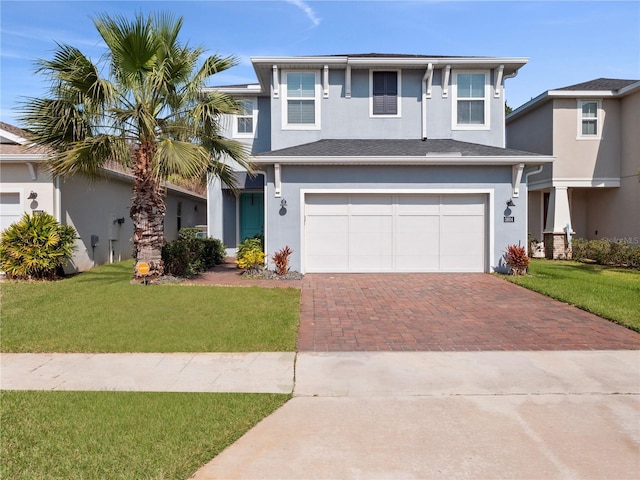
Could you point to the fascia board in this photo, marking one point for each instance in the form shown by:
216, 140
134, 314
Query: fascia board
13, 137
22, 157
405, 160
581, 93
257, 90
629, 88
540, 99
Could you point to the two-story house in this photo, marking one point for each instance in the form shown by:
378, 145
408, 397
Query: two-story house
592, 190
378, 163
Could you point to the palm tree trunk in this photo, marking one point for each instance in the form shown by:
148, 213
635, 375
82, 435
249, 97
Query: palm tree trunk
147, 212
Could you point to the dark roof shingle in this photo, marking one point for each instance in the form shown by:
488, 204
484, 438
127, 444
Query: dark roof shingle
600, 84
392, 148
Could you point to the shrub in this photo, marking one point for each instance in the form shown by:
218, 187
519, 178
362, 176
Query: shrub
188, 255
517, 259
281, 260
250, 255
606, 252
36, 247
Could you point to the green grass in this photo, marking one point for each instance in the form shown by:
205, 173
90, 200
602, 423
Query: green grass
121, 435
611, 293
101, 311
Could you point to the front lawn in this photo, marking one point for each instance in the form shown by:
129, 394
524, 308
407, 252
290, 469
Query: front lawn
612, 293
101, 311
124, 435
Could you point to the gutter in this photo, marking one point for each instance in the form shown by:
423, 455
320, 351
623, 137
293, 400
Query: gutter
427, 78
441, 159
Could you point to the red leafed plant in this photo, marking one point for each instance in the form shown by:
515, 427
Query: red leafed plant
517, 259
281, 260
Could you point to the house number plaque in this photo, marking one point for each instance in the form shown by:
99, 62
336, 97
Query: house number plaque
509, 219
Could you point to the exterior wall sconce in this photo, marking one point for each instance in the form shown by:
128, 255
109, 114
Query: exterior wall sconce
510, 203
33, 195
283, 203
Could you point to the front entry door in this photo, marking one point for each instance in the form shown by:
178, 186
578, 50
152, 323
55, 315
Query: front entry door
251, 214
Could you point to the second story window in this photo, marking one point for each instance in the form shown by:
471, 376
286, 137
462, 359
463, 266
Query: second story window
588, 118
471, 102
245, 119
300, 101
385, 93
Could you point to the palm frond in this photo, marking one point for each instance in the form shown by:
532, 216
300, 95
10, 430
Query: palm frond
175, 157
89, 156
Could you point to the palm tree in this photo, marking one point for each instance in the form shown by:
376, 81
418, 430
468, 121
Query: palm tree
146, 114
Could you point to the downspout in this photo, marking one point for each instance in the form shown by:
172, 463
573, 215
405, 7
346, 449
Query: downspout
426, 93
57, 201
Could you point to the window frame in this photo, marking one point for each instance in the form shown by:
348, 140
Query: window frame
398, 113
253, 116
285, 101
581, 119
455, 125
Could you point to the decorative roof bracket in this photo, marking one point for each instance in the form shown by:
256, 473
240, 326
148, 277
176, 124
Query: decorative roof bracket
347, 82
276, 83
498, 86
278, 180
325, 82
445, 81
516, 178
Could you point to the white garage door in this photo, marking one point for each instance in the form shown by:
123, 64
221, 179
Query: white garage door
395, 233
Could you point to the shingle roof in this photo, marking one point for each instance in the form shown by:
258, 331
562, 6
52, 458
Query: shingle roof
600, 84
13, 129
392, 148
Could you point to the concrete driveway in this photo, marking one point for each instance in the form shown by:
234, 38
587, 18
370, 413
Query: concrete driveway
444, 312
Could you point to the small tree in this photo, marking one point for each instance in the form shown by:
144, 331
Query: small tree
35, 247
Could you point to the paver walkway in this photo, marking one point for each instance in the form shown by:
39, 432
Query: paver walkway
444, 312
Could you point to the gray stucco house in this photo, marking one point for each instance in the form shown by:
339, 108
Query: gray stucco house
98, 210
593, 131
378, 163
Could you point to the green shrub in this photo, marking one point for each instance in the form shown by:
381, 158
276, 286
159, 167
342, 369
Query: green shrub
188, 255
250, 255
36, 247
606, 252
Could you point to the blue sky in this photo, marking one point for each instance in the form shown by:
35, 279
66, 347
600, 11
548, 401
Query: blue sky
567, 42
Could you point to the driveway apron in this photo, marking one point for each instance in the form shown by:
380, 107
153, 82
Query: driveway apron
444, 312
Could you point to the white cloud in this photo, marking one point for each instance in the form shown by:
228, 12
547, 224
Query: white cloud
309, 12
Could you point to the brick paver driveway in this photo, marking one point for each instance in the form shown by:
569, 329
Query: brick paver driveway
444, 312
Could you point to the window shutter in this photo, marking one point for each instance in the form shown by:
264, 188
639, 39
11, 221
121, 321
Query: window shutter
385, 93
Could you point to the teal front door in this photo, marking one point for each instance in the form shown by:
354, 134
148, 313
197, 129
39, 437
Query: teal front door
251, 214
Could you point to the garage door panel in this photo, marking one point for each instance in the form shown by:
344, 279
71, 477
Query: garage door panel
403, 233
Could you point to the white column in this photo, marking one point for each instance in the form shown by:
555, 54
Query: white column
214, 209
558, 215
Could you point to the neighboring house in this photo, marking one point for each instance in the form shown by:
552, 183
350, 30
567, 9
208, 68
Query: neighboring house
592, 189
378, 163
97, 209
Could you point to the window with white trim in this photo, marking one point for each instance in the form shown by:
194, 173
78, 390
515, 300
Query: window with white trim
244, 123
588, 119
385, 93
301, 100
470, 100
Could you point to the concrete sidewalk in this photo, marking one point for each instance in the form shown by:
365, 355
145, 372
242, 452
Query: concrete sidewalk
516, 415
393, 415
149, 372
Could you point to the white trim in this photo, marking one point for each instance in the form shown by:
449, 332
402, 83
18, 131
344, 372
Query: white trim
398, 98
441, 159
598, 135
13, 137
587, 182
489, 220
277, 181
316, 99
254, 117
498, 86
276, 82
516, 179
347, 82
445, 81
325, 82
454, 101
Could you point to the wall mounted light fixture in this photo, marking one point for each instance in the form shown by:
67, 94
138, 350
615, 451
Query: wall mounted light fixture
33, 195
510, 203
283, 203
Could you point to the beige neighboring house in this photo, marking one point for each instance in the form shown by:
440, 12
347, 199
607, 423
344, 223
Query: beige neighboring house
592, 189
98, 209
